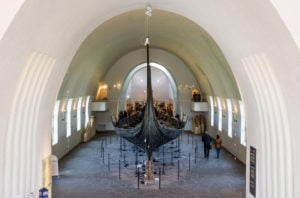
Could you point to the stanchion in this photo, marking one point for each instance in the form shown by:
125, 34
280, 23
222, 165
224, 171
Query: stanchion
136, 161
179, 150
196, 146
119, 169
124, 158
138, 180
159, 177
178, 169
99, 147
102, 149
108, 160
189, 162
163, 172
124, 144
136, 158
121, 145
103, 156
181, 137
136, 169
195, 155
192, 140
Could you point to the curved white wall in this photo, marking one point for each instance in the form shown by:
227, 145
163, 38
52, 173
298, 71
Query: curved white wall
289, 12
244, 31
8, 11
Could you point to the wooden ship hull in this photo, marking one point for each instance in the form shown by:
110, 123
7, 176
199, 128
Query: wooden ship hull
151, 130
150, 134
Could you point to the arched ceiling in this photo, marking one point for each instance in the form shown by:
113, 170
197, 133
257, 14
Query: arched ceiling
168, 31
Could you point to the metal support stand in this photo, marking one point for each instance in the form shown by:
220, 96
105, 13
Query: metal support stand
195, 155
178, 169
189, 162
108, 160
163, 172
136, 158
179, 148
102, 150
119, 169
138, 180
124, 159
192, 140
159, 177
102, 154
121, 146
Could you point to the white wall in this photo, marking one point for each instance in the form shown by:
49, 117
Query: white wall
66, 144
232, 144
8, 11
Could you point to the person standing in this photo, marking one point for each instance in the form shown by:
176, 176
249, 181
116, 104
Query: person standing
206, 142
218, 144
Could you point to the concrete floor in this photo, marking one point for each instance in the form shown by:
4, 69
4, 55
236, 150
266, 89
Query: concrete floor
106, 167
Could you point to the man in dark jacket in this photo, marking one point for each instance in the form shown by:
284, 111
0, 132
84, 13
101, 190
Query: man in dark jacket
206, 142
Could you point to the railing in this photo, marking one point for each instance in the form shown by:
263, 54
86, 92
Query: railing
199, 106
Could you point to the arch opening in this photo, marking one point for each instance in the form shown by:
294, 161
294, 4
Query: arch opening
159, 95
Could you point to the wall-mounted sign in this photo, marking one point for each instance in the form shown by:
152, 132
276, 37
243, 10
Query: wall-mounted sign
252, 177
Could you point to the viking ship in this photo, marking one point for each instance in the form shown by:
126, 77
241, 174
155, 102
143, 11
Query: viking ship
149, 128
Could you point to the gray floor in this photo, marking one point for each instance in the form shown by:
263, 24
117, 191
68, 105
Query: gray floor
86, 173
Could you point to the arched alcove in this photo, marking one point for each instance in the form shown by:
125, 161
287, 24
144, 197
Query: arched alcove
161, 68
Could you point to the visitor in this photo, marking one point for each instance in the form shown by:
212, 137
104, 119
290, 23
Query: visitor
206, 142
218, 144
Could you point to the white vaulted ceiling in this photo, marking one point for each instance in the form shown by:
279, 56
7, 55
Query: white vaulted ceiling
168, 31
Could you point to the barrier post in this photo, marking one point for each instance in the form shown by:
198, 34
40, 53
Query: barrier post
138, 180
189, 162
159, 177
178, 169
119, 169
